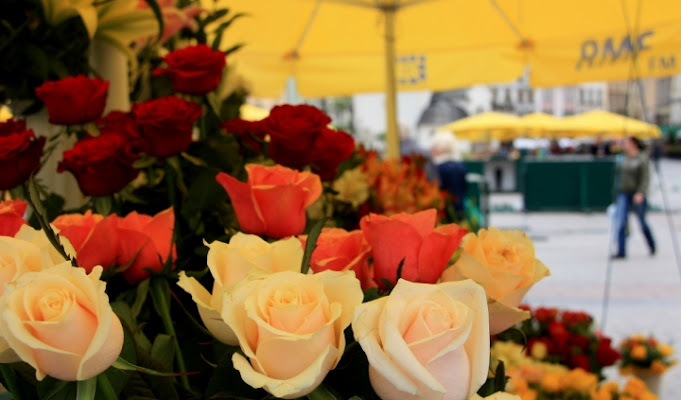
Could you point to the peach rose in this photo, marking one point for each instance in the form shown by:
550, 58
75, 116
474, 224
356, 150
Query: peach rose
39, 239
290, 328
274, 199
503, 262
229, 263
60, 322
426, 341
30, 251
11, 216
340, 250
426, 250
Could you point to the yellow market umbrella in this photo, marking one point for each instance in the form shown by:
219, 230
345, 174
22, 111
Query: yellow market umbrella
607, 124
342, 47
540, 125
485, 126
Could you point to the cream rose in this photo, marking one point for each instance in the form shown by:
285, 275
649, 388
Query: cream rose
426, 341
60, 322
504, 263
231, 262
290, 327
28, 251
38, 238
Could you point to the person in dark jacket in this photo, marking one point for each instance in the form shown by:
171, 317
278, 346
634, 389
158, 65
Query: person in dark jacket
633, 177
451, 172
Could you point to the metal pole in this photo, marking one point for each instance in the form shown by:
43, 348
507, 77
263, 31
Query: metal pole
392, 137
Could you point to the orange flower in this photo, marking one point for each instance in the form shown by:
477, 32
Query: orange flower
138, 242
426, 250
11, 216
340, 250
274, 199
639, 352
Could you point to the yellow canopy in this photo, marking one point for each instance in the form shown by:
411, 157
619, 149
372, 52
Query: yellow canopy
485, 126
492, 125
342, 47
608, 125
540, 125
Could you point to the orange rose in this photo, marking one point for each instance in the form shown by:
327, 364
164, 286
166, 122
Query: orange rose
148, 241
137, 241
426, 250
93, 237
274, 199
11, 216
340, 250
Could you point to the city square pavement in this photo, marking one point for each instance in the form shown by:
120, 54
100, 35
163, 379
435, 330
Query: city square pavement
645, 291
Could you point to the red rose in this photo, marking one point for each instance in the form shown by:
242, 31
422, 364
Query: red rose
425, 249
194, 69
559, 337
340, 250
579, 361
330, 149
580, 341
300, 136
274, 199
102, 165
11, 216
251, 133
534, 341
20, 153
606, 354
166, 124
293, 131
545, 315
74, 100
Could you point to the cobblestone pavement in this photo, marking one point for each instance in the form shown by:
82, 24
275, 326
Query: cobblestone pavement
645, 291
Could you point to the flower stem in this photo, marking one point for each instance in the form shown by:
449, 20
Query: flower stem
160, 295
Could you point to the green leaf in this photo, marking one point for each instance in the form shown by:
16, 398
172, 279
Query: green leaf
500, 378
103, 204
321, 393
104, 388
371, 294
399, 269
86, 389
127, 366
221, 30
311, 244
163, 350
140, 298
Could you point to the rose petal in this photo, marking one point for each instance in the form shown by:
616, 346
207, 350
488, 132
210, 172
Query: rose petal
282, 208
247, 212
298, 386
502, 317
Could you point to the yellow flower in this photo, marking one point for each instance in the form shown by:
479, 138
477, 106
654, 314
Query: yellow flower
551, 383
657, 367
580, 380
638, 352
665, 350
539, 351
634, 387
352, 187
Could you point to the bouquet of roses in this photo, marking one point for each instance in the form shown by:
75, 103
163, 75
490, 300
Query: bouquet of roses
642, 354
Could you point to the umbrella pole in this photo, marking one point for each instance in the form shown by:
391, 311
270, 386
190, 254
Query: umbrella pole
392, 137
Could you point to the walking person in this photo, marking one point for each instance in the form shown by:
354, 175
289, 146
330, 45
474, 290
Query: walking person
633, 175
451, 171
